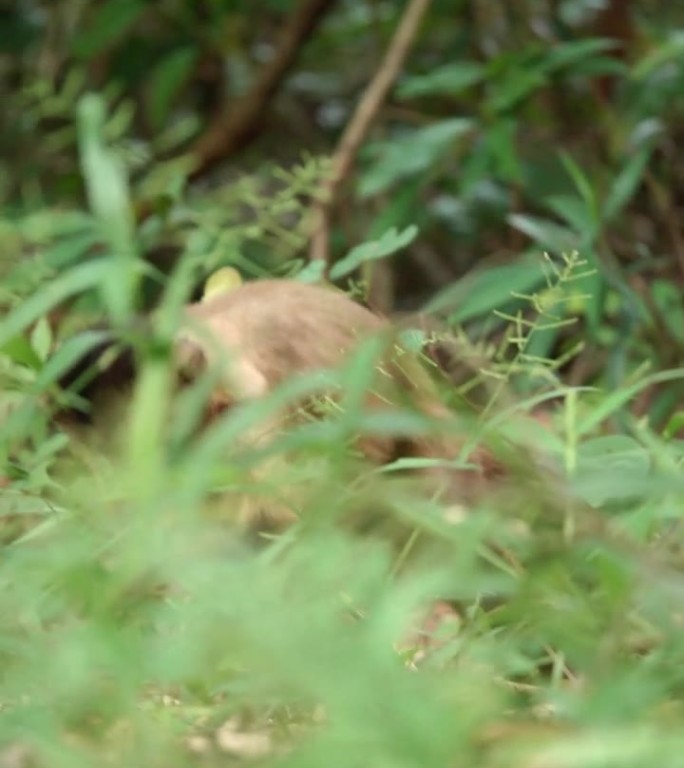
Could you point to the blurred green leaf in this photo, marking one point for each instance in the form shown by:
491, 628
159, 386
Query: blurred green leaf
503, 146
448, 79
574, 212
71, 248
167, 78
572, 52
108, 24
42, 301
109, 199
583, 186
66, 355
660, 55
391, 242
41, 338
481, 292
612, 468
411, 154
20, 350
547, 234
512, 87
626, 184
667, 297
313, 272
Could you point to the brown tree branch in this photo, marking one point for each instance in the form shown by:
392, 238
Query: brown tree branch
237, 125
360, 123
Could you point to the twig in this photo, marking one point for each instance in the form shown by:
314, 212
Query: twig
360, 124
235, 126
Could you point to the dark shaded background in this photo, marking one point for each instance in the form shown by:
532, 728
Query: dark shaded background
514, 128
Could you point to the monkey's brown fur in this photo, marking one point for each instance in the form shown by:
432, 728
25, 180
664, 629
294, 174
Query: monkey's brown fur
266, 331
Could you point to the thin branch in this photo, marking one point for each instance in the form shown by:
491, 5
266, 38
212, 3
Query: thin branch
237, 125
360, 123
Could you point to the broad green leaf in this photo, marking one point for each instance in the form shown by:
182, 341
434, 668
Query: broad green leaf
547, 234
72, 248
611, 468
410, 154
391, 242
445, 80
165, 81
108, 23
67, 355
78, 279
402, 206
44, 226
313, 272
108, 194
646, 132
661, 55
19, 350
413, 339
480, 292
502, 142
616, 400
626, 184
41, 338
360, 373
576, 52
599, 66
395, 422
674, 426
582, 185
667, 296
516, 85
573, 211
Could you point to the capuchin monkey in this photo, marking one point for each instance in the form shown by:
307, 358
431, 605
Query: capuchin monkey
264, 332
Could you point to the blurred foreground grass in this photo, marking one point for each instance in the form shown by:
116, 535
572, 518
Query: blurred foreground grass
140, 627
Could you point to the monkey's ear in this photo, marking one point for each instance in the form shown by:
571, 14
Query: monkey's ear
189, 359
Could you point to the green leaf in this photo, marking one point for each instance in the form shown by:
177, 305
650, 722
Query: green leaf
411, 154
447, 80
611, 468
19, 350
41, 338
515, 85
71, 248
667, 296
547, 234
42, 301
626, 184
108, 194
166, 79
616, 400
67, 355
413, 339
359, 374
576, 52
503, 141
573, 211
313, 272
660, 55
479, 293
391, 242
583, 186
402, 206
108, 23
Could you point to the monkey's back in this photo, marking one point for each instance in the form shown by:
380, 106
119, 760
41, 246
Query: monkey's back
281, 327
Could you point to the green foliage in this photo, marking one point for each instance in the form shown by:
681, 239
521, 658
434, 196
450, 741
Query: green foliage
140, 625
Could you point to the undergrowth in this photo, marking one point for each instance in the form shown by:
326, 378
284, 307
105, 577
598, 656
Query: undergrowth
141, 626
